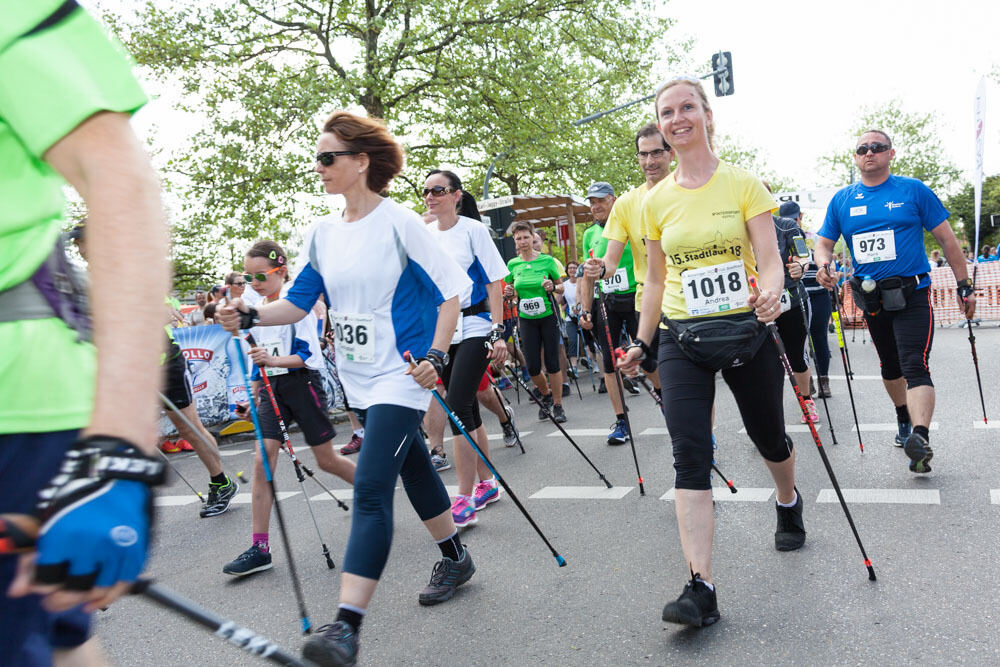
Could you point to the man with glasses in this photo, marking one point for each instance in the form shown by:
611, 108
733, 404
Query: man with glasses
625, 239
882, 220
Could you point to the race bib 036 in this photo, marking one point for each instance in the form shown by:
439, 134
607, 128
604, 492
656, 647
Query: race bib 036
355, 336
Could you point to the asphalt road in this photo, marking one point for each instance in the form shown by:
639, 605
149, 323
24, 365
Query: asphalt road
932, 540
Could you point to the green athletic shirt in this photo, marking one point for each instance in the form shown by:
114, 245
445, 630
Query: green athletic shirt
50, 82
593, 239
527, 278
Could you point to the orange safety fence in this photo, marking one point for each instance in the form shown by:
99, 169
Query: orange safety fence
944, 297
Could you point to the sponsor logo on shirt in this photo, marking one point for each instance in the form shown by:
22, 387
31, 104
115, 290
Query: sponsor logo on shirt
730, 213
860, 195
718, 246
892, 204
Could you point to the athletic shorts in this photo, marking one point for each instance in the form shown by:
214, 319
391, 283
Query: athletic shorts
28, 633
484, 383
301, 399
903, 340
177, 382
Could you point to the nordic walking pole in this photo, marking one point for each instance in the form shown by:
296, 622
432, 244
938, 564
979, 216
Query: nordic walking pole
286, 445
18, 533
296, 585
812, 351
843, 356
518, 379
618, 380
183, 418
783, 356
183, 478
295, 462
972, 344
565, 338
458, 424
503, 403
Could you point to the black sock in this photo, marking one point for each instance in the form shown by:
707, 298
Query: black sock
219, 479
620, 417
451, 547
351, 617
902, 413
922, 431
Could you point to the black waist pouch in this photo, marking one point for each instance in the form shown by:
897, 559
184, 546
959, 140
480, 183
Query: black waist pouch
718, 343
890, 294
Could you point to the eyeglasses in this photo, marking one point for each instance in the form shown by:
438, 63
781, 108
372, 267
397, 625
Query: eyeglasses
656, 153
438, 190
326, 159
237, 284
874, 147
259, 277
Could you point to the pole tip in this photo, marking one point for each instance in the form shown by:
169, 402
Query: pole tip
306, 625
871, 573
560, 560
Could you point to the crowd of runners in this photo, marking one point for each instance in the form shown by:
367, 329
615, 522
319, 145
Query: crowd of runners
681, 278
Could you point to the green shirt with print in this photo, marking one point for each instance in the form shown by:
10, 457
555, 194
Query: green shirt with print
50, 81
528, 276
623, 280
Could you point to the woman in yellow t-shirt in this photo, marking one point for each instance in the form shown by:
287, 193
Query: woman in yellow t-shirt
708, 231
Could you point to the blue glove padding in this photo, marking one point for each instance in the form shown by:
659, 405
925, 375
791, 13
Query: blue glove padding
99, 540
97, 514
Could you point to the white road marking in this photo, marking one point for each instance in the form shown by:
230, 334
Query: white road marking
883, 496
790, 428
979, 424
581, 492
499, 436
244, 498
743, 494
995, 496
655, 430
168, 501
581, 432
233, 452
892, 427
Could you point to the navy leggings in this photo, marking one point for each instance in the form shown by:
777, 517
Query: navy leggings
822, 307
393, 448
688, 396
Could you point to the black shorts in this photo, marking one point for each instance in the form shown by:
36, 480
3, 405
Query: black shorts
621, 311
301, 399
177, 382
903, 340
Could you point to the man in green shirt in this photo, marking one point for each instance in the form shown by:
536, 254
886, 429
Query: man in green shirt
64, 117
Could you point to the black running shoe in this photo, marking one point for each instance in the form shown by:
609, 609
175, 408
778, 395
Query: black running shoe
543, 412
250, 561
920, 453
629, 386
446, 577
333, 645
903, 430
558, 414
603, 389
696, 606
791, 532
219, 497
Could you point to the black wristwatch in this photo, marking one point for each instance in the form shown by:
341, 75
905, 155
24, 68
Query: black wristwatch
250, 318
965, 289
638, 342
437, 359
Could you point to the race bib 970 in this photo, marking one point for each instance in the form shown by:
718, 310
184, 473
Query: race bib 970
355, 336
715, 289
616, 283
873, 247
532, 307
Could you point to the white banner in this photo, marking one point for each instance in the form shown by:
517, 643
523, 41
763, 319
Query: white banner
977, 177
808, 198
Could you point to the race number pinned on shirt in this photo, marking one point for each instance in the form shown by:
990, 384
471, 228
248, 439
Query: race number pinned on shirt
616, 283
874, 247
355, 335
532, 307
786, 301
715, 289
275, 348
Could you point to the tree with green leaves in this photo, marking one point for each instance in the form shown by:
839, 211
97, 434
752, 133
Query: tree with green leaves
961, 206
458, 83
919, 153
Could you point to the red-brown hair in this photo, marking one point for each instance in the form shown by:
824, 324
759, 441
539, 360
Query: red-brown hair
369, 136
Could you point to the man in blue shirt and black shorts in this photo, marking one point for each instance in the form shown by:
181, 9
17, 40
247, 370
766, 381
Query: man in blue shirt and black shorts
882, 220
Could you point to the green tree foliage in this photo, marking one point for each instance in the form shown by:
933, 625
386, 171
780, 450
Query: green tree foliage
457, 82
919, 153
963, 213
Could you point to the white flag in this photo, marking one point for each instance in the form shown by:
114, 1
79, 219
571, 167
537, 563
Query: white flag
977, 177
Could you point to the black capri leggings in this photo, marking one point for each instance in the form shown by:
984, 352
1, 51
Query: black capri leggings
688, 396
903, 340
793, 330
536, 334
461, 378
621, 312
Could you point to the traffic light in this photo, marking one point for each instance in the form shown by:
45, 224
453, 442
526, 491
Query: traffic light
722, 70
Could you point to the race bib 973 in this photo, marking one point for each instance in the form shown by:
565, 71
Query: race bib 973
355, 336
873, 247
715, 289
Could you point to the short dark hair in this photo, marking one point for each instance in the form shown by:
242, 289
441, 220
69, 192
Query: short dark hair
650, 130
369, 136
522, 226
882, 132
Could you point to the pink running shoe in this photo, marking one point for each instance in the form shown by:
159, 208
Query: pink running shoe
463, 512
485, 492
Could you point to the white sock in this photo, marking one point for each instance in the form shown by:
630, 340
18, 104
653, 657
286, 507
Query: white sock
360, 432
795, 499
711, 587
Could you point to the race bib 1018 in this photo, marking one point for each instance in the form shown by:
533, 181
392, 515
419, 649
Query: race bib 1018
715, 289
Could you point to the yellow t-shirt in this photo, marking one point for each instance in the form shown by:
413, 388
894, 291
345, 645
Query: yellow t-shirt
705, 228
625, 225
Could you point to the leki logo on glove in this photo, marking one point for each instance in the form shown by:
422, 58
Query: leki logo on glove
124, 536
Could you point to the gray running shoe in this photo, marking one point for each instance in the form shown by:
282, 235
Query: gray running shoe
440, 461
510, 435
333, 645
546, 408
558, 414
250, 561
219, 497
446, 577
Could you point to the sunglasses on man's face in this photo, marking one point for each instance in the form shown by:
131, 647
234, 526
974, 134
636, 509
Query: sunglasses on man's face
438, 190
327, 159
259, 277
874, 147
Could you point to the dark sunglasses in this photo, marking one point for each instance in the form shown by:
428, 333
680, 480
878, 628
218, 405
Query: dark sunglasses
874, 147
656, 153
438, 190
259, 277
326, 159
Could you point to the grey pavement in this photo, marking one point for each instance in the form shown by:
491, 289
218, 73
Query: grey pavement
934, 553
